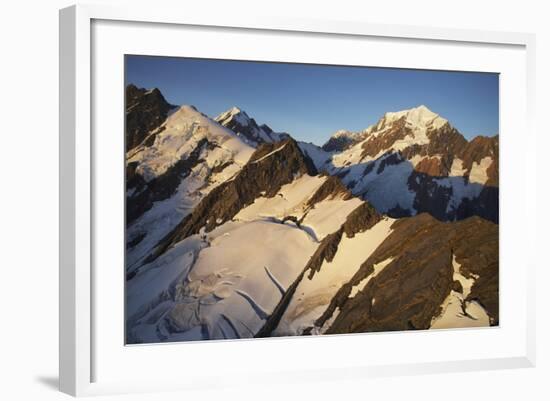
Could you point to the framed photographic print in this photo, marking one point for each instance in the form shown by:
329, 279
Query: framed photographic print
342, 187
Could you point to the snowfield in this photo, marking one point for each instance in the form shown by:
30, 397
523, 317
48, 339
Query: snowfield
290, 201
233, 286
327, 216
226, 283
152, 290
321, 219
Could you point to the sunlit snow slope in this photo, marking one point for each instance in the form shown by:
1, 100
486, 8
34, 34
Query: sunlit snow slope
190, 156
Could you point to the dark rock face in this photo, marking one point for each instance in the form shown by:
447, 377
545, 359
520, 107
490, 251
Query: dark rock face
446, 142
373, 145
367, 171
161, 187
476, 233
432, 166
485, 205
326, 251
146, 110
408, 292
390, 160
133, 179
339, 143
361, 219
270, 167
331, 188
479, 148
431, 197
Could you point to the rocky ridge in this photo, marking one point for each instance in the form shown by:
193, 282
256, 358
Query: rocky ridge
270, 166
146, 110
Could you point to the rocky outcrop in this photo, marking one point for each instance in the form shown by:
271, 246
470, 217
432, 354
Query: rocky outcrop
484, 205
330, 189
146, 110
479, 148
361, 219
445, 143
342, 140
432, 166
430, 196
408, 293
337, 144
434, 187
373, 145
391, 159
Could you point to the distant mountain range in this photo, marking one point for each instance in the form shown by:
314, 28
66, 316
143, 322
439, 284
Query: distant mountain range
234, 230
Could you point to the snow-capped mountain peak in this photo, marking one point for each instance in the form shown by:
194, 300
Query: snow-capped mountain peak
246, 127
235, 110
418, 121
178, 136
234, 113
419, 117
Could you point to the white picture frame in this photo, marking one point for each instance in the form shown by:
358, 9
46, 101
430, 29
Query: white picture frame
78, 155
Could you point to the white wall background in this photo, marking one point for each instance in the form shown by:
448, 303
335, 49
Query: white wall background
29, 186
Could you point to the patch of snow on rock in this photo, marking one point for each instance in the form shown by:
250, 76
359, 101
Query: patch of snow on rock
454, 306
457, 169
478, 173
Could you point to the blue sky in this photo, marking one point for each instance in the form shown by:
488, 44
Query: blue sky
313, 101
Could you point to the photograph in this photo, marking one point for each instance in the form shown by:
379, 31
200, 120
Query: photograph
271, 199
252, 200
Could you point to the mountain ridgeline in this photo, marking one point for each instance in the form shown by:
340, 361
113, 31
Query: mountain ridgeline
145, 111
235, 230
